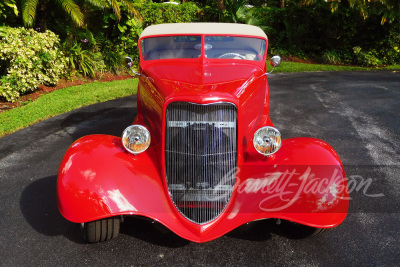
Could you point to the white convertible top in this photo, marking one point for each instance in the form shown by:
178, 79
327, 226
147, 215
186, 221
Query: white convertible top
203, 28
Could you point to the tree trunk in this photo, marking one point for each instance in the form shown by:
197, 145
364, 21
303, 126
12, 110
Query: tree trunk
42, 16
220, 5
282, 3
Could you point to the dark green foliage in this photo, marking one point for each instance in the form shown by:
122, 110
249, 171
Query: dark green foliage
167, 13
365, 58
330, 37
113, 60
230, 14
346, 32
122, 36
9, 13
331, 57
83, 61
34, 12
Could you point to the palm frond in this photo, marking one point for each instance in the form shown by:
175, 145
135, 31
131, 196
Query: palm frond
130, 6
115, 7
73, 10
29, 11
392, 10
98, 3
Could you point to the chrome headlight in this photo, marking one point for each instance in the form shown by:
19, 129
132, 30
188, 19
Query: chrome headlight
136, 139
267, 140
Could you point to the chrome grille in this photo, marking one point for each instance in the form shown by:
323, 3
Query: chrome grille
200, 157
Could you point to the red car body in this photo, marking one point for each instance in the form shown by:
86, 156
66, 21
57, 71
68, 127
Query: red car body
303, 182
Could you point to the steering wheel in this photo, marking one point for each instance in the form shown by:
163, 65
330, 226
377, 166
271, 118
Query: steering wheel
232, 55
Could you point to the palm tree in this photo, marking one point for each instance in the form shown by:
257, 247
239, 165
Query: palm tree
115, 5
37, 8
391, 11
33, 8
220, 5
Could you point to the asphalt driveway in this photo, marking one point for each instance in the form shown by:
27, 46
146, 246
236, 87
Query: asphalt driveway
356, 112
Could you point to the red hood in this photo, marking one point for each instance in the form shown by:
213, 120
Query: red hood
243, 84
224, 80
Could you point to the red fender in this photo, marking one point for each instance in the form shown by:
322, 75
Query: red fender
303, 182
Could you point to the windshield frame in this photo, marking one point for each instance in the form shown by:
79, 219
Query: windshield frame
203, 59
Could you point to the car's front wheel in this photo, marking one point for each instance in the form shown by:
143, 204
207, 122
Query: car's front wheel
298, 231
101, 230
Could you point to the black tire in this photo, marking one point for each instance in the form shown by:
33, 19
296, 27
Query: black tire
299, 231
101, 230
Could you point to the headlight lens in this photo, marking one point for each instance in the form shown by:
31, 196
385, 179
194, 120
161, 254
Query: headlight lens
136, 139
267, 140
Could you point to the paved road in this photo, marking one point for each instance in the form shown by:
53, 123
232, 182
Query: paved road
357, 113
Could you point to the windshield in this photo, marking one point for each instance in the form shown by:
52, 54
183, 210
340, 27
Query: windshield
216, 47
171, 47
234, 47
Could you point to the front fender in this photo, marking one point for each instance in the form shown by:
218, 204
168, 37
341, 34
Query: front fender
98, 179
304, 182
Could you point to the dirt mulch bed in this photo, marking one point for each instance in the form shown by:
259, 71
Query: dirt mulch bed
24, 99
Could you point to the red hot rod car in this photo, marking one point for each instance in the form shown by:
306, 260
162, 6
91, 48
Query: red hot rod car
202, 157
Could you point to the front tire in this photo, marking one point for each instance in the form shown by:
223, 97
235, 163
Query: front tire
101, 230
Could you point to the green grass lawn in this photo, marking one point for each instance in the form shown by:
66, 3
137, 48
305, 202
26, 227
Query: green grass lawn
64, 100
67, 99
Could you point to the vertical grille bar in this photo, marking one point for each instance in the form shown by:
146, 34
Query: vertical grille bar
201, 157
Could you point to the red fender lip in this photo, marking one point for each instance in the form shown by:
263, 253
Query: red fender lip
98, 179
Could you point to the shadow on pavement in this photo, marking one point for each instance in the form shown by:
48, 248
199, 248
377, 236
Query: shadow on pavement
155, 233
151, 232
255, 231
39, 206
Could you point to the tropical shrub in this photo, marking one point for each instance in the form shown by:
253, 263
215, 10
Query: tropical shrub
113, 59
28, 59
127, 42
365, 58
230, 13
83, 61
125, 33
329, 37
331, 57
388, 48
154, 13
